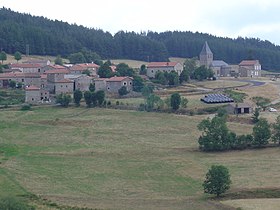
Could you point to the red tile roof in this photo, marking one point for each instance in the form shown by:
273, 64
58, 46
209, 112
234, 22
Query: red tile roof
32, 88
19, 74
57, 66
43, 76
249, 62
65, 81
58, 71
83, 66
118, 79
25, 65
161, 64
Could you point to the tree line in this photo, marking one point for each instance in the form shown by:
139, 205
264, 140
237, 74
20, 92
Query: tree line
52, 37
217, 137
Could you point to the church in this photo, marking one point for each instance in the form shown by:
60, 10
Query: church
222, 69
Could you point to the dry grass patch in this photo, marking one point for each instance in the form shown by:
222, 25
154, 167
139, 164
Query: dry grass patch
254, 204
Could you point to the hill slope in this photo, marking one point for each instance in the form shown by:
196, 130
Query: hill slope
48, 37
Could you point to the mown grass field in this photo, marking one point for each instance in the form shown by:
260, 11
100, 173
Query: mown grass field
113, 159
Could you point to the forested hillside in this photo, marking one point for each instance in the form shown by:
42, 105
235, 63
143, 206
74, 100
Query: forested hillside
48, 37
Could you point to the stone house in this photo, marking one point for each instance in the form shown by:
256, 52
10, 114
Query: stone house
37, 61
113, 84
26, 67
81, 81
154, 67
51, 67
54, 76
27, 79
100, 84
92, 68
35, 95
250, 68
63, 86
32, 94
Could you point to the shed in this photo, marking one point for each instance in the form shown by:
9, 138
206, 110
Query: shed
239, 108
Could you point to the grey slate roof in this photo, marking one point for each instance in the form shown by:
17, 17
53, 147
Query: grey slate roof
218, 63
206, 49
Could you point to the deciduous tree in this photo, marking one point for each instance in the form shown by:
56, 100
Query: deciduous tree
217, 180
261, 133
175, 101
17, 56
78, 95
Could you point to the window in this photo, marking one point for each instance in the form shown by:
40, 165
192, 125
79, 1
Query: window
130, 83
22, 80
61, 85
39, 70
66, 85
124, 83
152, 71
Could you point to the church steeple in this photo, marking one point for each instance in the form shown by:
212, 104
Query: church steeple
206, 56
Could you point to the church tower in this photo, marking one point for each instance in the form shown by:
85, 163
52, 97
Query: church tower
206, 56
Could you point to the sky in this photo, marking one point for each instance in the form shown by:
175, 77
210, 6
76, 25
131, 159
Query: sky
225, 18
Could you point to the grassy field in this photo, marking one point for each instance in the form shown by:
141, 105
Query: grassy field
113, 159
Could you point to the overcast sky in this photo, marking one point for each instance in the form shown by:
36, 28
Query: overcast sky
226, 18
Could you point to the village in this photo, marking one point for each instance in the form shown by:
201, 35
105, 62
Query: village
43, 80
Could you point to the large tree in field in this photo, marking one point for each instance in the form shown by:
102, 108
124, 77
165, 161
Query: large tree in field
261, 133
215, 135
3, 56
217, 180
17, 56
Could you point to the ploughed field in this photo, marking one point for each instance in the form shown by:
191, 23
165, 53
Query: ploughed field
114, 159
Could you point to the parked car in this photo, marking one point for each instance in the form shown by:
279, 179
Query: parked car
272, 109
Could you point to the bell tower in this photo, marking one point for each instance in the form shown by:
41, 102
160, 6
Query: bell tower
206, 56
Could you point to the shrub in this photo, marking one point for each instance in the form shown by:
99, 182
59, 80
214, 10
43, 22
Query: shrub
25, 107
122, 91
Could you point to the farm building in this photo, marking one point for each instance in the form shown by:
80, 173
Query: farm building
239, 108
155, 67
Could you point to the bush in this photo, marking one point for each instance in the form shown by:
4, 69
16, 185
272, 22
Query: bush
26, 107
122, 91
63, 99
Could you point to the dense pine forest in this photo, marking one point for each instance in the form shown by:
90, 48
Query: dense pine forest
48, 37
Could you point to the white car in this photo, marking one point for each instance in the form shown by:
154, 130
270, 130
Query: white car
272, 109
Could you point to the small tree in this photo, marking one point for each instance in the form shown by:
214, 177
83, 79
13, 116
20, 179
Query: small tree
217, 180
12, 84
256, 115
175, 101
63, 99
100, 97
78, 95
147, 90
276, 130
3, 56
184, 76
122, 91
58, 60
87, 96
153, 102
261, 133
184, 102
17, 56
143, 70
